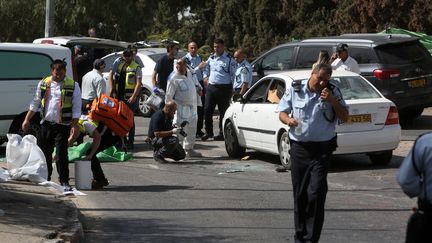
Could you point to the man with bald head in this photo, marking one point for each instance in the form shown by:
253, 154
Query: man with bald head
243, 74
161, 132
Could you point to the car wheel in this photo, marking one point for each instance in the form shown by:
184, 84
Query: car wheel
381, 158
144, 109
232, 145
284, 148
411, 114
34, 129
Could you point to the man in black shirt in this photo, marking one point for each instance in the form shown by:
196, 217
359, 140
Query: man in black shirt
161, 133
164, 68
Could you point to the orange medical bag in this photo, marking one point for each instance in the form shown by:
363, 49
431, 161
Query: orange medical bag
116, 115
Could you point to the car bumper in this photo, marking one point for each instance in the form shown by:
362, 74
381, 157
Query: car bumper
362, 142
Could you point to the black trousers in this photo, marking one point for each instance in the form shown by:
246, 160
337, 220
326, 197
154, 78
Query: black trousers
200, 109
107, 141
55, 136
219, 95
134, 106
168, 147
309, 167
419, 224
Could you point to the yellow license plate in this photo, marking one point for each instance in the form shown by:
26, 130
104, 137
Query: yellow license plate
417, 83
364, 118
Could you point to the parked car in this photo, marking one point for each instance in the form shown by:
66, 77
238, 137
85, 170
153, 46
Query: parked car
253, 121
94, 47
23, 65
146, 58
400, 67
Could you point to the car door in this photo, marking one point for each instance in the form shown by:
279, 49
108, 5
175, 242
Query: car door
248, 116
268, 115
275, 61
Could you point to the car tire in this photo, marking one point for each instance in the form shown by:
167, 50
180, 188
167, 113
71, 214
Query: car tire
411, 114
232, 145
144, 110
34, 129
284, 147
381, 158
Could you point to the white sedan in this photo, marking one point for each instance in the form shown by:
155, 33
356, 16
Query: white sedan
252, 121
146, 58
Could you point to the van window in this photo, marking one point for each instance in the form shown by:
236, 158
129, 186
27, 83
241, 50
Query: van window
281, 59
24, 65
308, 55
362, 55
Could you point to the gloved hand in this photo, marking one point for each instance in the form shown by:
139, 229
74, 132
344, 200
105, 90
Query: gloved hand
176, 130
156, 90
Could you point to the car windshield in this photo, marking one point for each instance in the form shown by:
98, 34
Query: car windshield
402, 53
355, 88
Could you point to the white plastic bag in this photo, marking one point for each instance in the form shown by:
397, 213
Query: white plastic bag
155, 100
25, 160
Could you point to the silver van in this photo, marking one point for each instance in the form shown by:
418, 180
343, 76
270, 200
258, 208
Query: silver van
22, 66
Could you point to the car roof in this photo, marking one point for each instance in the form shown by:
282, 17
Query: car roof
29, 46
305, 74
150, 51
88, 41
367, 38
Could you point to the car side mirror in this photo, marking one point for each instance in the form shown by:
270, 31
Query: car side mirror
238, 98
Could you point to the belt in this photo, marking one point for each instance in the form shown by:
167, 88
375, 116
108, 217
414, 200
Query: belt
220, 85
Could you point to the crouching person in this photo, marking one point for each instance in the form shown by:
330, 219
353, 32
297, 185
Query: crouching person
161, 132
102, 139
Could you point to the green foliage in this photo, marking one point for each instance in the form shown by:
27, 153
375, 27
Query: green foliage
254, 25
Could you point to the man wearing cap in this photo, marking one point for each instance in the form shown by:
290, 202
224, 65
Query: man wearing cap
93, 84
125, 84
342, 61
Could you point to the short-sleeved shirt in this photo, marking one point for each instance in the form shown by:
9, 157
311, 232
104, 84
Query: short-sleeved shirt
158, 123
318, 121
163, 68
243, 75
220, 69
350, 64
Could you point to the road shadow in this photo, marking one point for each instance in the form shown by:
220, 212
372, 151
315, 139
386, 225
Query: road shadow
123, 229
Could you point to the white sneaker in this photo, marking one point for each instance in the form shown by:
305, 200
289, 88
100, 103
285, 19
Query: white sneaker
193, 153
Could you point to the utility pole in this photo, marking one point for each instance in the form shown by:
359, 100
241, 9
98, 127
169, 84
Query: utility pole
49, 18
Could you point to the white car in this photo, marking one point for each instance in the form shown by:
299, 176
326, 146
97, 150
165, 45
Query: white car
253, 120
23, 65
146, 58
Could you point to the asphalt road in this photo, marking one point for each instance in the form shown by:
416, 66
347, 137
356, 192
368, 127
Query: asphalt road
217, 199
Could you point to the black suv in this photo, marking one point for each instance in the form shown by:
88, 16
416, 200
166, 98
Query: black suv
397, 65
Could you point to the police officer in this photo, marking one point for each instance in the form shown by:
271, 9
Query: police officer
194, 60
125, 82
415, 178
311, 108
243, 75
218, 76
58, 97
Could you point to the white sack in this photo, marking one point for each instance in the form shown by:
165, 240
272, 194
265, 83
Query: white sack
25, 160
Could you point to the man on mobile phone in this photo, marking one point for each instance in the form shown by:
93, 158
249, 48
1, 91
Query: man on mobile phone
342, 61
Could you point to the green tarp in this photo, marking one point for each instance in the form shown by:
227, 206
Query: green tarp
110, 154
425, 39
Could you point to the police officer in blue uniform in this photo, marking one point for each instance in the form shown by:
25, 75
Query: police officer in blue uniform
218, 76
194, 60
311, 108
415, 178
243, 74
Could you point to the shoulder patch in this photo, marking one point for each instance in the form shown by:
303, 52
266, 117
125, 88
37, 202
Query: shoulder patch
244, 70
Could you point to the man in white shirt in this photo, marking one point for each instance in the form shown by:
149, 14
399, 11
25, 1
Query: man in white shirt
58, 98
93, 84
342, 61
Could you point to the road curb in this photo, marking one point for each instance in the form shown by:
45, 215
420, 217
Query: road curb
74, 232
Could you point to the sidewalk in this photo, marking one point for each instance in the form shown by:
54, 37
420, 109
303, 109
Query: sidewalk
32, 213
